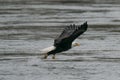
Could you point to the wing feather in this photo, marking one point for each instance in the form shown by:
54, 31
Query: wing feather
69, 34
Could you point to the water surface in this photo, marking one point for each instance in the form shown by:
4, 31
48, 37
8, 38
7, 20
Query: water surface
26, 27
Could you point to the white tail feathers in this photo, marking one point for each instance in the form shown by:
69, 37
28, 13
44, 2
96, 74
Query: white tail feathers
46, 50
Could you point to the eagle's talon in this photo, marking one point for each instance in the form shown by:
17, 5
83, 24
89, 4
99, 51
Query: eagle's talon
53, 57
45, 56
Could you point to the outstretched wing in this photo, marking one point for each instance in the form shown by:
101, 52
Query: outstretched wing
70, 33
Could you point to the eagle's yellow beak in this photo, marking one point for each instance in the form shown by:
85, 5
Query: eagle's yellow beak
77, 44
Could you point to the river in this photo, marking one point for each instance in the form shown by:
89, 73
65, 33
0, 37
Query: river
27, 26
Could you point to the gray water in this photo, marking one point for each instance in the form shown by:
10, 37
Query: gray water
26, 27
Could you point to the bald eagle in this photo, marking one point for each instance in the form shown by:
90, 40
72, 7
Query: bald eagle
65, 41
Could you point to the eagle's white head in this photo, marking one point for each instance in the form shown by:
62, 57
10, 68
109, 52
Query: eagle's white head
74, 44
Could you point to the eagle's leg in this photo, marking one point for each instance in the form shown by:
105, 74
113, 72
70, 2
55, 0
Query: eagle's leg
53, 57
45, 56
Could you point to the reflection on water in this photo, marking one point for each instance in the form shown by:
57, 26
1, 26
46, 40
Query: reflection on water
28, 26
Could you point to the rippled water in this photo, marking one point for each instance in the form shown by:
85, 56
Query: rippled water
26, 27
